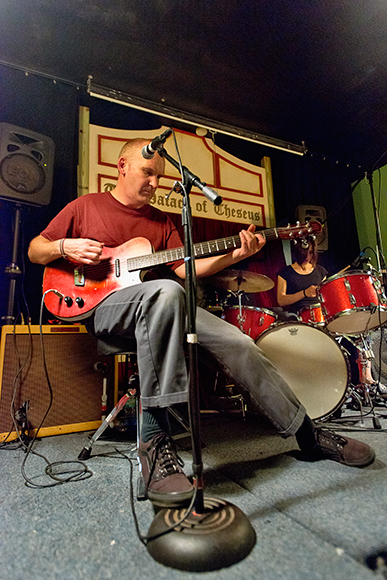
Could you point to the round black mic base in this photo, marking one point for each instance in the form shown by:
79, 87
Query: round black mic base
220, 537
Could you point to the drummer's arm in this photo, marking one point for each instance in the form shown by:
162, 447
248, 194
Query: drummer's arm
284, 299
251, 243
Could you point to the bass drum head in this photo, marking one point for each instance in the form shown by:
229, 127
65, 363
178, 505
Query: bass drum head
312, 363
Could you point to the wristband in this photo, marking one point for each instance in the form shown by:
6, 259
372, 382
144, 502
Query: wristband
305, 294
61, 249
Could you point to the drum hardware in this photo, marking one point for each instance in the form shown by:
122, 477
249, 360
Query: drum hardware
217, 310
251, 320
364, 357
238, 283
226, 398
367, 392
235, 398
241, 319
358, 405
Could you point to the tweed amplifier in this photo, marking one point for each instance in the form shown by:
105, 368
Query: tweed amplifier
70, 356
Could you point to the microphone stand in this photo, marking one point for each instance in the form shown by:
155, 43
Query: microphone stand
214, 533
380, 254
13, 270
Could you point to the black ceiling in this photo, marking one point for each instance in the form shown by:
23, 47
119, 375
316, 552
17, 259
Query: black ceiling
296, 70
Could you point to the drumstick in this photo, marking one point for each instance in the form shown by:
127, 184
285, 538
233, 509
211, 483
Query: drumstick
343, 270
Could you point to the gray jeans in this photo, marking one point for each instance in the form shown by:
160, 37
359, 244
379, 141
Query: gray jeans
154, 314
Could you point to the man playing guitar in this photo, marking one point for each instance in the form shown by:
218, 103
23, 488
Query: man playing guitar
153, 313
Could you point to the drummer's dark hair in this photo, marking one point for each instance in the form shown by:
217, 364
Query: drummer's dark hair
299, 253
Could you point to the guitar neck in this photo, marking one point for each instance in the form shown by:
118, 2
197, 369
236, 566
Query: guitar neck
201, 250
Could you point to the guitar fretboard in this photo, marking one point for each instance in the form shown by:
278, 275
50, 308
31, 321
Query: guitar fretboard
201, 250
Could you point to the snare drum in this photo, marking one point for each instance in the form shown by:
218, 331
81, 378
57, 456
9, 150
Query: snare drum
313, 364
352, 303
251, 320
312, 314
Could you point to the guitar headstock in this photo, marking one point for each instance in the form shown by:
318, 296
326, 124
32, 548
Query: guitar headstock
300, 230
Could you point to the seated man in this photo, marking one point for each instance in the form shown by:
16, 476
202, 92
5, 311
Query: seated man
154, 314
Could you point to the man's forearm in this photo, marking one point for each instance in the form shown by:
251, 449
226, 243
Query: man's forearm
42, 251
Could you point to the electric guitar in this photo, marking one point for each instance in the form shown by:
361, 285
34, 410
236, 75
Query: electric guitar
73, 290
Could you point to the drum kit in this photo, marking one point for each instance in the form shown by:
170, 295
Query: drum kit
309, 350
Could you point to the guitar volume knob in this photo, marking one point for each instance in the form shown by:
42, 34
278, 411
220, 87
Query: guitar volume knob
80, 302
69, 301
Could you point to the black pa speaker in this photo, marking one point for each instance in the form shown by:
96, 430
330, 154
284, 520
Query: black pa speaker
26, 165
315, 213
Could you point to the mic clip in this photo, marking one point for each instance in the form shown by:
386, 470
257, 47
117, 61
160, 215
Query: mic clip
177, 187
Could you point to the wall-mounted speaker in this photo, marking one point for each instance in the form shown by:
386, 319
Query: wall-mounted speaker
26, 165
315, 213
77, 387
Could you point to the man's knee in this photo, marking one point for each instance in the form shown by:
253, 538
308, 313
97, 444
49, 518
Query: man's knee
171, 293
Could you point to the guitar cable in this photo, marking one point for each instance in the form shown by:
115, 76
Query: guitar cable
77, 470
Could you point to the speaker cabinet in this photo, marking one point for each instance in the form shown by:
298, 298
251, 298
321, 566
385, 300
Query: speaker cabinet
315, 213
77, 388
26, 165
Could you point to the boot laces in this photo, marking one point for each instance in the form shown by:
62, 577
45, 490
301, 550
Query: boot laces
166, 457
328, 436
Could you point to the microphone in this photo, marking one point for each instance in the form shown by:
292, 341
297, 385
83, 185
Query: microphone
148, 151
359, 260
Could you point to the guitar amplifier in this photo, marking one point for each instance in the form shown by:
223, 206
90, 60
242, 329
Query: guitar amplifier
70, 356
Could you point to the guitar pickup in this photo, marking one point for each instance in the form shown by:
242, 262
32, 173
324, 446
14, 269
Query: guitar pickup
117, 268
79, 277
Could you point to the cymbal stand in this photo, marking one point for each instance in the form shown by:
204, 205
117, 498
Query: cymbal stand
240, 318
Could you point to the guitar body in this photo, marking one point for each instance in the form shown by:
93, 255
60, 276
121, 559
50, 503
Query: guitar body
84, 287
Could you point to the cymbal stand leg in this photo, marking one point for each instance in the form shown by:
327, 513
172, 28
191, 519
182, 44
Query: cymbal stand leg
359, 400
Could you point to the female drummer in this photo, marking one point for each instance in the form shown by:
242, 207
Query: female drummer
297, 284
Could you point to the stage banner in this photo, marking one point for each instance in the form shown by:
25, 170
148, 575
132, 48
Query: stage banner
243, 186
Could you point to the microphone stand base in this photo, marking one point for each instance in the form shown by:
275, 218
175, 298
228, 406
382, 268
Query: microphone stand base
219, 537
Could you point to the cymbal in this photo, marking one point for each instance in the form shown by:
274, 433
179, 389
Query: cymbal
235, 280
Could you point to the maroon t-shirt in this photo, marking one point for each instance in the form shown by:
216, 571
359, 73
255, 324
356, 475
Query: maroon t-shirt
99, 216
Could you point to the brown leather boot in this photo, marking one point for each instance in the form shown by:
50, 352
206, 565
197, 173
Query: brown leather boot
166, 484
330, 445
